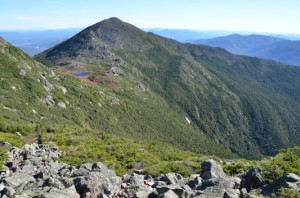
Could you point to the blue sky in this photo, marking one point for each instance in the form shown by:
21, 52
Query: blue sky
276, 16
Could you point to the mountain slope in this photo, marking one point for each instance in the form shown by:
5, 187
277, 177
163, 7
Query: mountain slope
35, 99
268, 47
248, 105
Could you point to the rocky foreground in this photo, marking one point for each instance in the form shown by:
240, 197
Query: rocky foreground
33, 171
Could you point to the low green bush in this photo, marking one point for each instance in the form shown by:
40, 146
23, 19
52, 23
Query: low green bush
3, 155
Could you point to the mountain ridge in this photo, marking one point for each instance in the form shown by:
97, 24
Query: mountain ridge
268, 47
45, 100
228, 98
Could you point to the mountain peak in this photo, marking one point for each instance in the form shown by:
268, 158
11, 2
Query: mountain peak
114, 19
112, 25
95, 41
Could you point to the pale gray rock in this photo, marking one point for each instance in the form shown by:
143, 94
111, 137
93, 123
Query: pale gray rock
18, 178
174, 178
62, 193
49, 101
22, 72
136, 180
96, 182
169, 194
48, 86
173, 187
143, 194
62, 105
210, 170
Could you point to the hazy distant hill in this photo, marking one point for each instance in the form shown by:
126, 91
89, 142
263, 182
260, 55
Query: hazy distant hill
36, 41
261, 46
183, 35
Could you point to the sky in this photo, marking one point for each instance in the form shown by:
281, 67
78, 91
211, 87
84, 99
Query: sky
273, 16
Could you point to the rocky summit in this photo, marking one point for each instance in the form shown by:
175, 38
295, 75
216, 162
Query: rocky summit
33, 171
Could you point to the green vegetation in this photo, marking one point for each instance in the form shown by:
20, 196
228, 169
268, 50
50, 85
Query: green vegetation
3, 155
288, 193
235, 102
239, 166
12, 139
122, 154
237, 105
128, 112
286, 161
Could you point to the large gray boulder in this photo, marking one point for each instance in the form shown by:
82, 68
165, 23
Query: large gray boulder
168, 194
62, 193
18, 178
215, 183
212, 170
289, 180
100, 180
253, 179
174, 178
171, 187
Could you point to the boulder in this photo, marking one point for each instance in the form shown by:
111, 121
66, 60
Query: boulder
253, 179
168, 194
18, 178
8, 146
174, 178
291, 177
9, 191
144, 194
64, 90
289, 180
62, 193
244, 193
136, 180
22, 72
105, 181
48, 86
62, 105
49, 101
28, 169
52, 182
214, 183
173, 187
210, 170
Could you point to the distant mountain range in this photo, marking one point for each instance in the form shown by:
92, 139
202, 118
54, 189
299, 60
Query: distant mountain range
182, 35
261, 46
36, 41
271, 47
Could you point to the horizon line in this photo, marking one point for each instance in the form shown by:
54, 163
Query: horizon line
154, 28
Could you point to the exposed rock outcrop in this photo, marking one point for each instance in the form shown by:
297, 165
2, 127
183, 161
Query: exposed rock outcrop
33, 171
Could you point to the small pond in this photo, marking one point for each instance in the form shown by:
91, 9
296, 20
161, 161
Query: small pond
81, 74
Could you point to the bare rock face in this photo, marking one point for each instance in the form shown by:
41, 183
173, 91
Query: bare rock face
48, 100
212, 170
33, 171
47, 85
